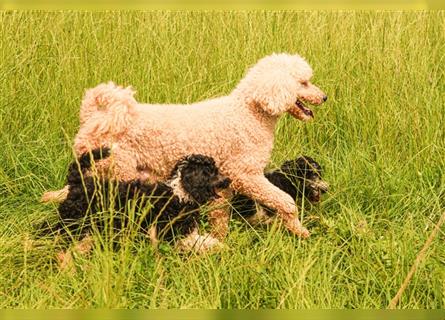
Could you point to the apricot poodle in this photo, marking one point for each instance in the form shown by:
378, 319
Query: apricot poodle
236, 130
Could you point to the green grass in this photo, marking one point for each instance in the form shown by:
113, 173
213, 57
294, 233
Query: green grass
380, 138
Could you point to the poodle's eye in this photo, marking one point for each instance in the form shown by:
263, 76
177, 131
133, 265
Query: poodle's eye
304, 83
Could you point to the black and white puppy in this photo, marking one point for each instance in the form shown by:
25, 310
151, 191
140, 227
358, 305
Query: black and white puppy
163, 210
300, 178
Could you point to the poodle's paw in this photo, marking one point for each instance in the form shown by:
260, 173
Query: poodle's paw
54, 196
66, 262
47, 197
199, 243
294, 225
303, 233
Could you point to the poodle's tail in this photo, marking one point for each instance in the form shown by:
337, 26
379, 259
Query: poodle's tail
109, 98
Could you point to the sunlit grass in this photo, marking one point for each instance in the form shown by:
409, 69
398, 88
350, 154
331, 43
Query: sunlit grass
380, 138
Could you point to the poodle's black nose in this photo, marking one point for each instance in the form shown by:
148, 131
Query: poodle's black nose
325, 98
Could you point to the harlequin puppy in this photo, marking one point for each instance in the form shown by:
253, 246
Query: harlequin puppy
163, 210
301, 177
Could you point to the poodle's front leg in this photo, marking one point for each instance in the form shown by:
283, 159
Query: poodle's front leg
259, 188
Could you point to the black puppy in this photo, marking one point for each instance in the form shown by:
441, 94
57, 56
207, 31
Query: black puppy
171, 207
301, 177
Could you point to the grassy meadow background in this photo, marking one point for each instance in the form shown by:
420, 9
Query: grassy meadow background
380, 138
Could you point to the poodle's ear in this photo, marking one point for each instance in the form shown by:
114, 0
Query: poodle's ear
275, 94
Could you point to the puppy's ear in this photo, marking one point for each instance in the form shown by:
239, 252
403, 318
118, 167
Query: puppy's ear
274, 93
197, 183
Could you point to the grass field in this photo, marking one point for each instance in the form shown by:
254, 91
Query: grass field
380, 138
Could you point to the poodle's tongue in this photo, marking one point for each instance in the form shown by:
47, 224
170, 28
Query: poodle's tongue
305, 110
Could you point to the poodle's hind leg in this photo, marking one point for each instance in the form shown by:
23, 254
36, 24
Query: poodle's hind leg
219, 217
259, 188
121, 165
55, 196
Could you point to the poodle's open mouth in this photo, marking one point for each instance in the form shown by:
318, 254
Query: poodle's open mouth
300, 111
308, 112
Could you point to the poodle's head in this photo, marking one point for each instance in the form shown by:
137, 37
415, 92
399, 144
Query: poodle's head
196, 178
305, 174
281, 83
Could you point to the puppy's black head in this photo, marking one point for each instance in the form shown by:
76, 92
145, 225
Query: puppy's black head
306, 174
199, 177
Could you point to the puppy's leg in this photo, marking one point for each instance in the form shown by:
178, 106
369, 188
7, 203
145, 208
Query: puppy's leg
194, 242
259, 188
261, 217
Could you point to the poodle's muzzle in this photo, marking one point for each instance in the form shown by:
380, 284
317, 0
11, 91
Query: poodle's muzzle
300, 111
